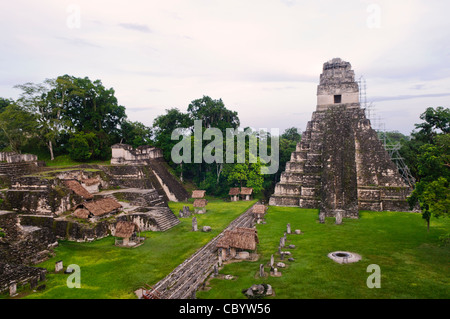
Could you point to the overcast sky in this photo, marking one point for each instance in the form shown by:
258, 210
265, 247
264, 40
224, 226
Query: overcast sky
262, 57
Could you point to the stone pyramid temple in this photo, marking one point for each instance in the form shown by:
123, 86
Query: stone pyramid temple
340, 164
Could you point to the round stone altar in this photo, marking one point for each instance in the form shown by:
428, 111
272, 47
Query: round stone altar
344, 257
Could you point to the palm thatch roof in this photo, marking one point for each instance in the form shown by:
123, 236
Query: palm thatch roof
125, 229
246, 190
81, 213
240, 238
76, 187
259, 209
234, 191
101, 206
198, 194
200, 202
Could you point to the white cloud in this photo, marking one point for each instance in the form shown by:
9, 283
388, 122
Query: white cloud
162, 54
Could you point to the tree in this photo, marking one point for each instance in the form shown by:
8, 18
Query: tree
436, 121
35, 99
4, 103
79, 146
135, 133
432, 164
164, 125
91, 107
18, 126
291, 134
213, 114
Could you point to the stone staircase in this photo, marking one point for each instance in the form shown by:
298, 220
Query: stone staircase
300, 182
18, 169
165, 218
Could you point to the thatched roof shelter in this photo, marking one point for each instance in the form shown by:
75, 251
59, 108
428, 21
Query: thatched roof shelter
234, 191
246, 190
125, 229
76, 187
240, 238
101, 206
259, 209
200, 202
198, 194
81, 213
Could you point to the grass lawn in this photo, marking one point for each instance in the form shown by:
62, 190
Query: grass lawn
413, 263
66, 161
113, 272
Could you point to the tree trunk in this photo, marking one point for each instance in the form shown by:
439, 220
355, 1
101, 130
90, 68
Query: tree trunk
219, 168
50, 147
181, 175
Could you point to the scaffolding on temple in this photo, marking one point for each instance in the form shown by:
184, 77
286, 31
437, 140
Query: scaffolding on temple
391, 147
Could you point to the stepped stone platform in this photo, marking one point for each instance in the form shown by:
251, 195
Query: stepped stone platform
340, 164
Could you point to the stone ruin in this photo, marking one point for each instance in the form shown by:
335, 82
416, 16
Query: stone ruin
126, 154
340, 165
38, 205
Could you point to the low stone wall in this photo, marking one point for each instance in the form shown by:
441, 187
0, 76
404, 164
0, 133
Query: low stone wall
24, 244
21, 158
20, 275
155, 219
126, 154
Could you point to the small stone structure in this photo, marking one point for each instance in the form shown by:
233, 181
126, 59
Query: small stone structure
237, 240
126, 154
185, 212
194, 224
258, 291
198, 194
258, 212
59, 266
200, 206
234, 194
344, 257
127, 232
246, 193
340, 164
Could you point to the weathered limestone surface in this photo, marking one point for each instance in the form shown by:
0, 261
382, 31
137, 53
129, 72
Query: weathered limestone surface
340, 162
20, 275
24, 244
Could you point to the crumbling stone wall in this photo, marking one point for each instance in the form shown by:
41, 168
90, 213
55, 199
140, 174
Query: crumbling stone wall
24, 244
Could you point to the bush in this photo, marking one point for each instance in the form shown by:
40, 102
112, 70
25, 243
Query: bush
79, 149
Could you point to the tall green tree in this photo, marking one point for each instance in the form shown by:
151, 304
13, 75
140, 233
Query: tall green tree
17, 126
213, 113
35, 99
432, 164
94, 108
135, 133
